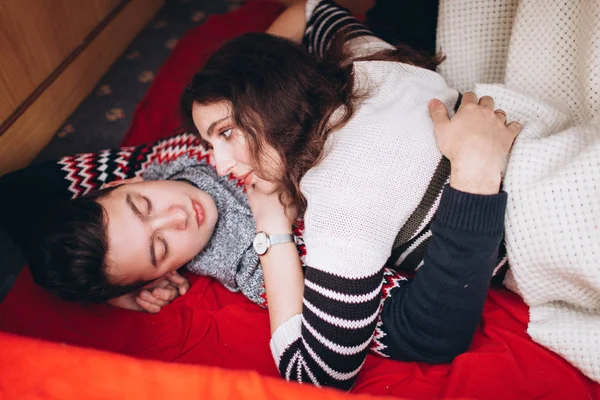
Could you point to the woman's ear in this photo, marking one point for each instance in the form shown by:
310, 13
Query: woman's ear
120, 182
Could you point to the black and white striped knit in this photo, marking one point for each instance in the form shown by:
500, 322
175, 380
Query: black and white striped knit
374, 176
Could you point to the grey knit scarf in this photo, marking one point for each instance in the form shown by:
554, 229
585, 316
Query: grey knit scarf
228, 256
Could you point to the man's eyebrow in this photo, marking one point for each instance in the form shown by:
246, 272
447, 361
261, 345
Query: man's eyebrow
211, 128
138, 214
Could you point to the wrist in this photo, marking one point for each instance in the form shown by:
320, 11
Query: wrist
475, 181
274, 226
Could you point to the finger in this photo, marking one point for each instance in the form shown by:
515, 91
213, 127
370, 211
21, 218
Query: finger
469, 97
181, 283
150, 298
167, 295
501, 114
146, 306
438, 112
183, 289
163, 283
176, 279
487, 101
515, 127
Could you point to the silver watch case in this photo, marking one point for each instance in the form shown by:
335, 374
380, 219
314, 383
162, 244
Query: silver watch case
263, 242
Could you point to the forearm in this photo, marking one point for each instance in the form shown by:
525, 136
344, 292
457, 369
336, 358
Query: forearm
291, 23
433, 317
284, 283
321, 323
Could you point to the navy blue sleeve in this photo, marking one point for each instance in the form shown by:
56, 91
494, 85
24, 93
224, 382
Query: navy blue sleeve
433, 317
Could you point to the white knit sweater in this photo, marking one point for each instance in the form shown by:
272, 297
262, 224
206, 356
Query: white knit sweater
354, 209
359, 197
546, 53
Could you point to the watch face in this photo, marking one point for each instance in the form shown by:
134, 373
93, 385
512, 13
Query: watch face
261, 243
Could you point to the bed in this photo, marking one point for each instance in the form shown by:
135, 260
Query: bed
212, 343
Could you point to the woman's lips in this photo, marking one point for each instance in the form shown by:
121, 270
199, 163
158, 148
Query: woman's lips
247, 178
199, 211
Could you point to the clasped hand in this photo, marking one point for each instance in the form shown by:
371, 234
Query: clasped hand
154, 296
476, 140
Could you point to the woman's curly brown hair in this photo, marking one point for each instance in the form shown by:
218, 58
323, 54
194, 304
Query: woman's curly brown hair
285, 98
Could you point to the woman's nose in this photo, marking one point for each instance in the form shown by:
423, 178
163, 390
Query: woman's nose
223, 162
175, 217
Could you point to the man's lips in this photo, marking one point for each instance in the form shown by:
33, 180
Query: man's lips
199, 211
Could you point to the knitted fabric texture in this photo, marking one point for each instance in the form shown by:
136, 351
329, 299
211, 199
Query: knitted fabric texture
546, 55
228, 256
358, 201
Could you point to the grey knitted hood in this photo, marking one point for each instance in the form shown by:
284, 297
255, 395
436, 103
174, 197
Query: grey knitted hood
228, 256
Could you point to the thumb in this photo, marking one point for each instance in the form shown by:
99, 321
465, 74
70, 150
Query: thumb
438, 112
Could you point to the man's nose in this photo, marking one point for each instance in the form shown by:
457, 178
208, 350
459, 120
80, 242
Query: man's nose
175, 217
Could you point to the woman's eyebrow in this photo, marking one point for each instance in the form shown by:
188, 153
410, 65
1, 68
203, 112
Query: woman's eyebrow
211, 128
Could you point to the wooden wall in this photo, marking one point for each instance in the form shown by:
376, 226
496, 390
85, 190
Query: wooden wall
52, 54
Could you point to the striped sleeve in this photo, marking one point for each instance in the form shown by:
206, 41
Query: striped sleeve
327, 344
325, 19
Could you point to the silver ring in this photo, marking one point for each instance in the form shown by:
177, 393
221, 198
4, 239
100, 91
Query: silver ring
500, 111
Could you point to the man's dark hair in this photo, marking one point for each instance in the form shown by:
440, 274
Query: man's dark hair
68, 252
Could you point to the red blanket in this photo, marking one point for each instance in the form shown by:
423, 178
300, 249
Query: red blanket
213, 327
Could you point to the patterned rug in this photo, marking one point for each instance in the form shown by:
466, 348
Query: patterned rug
101, 120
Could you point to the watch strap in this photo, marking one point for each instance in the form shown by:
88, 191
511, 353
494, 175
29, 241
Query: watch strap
280, 238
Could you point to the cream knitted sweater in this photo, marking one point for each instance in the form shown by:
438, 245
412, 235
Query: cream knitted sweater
546, 53
359, 197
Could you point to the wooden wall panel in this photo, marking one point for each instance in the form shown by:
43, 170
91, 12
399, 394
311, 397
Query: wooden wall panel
32, 131
36, 36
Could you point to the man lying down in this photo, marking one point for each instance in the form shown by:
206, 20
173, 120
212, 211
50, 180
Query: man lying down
135, 234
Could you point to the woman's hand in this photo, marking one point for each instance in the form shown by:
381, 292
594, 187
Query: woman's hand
269, 214
476, 140
282, 270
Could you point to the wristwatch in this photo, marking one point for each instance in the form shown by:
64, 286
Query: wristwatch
262, 241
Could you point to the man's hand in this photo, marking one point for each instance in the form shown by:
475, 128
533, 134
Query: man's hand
155, 295
476, 140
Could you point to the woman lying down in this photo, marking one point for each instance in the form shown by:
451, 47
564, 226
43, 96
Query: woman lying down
357, 201
356, 154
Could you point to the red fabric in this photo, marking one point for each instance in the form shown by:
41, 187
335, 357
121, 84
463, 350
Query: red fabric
213, 327
88, 374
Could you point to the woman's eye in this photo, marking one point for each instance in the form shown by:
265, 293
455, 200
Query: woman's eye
227, 133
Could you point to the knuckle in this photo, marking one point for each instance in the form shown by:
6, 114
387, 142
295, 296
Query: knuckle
471, 107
